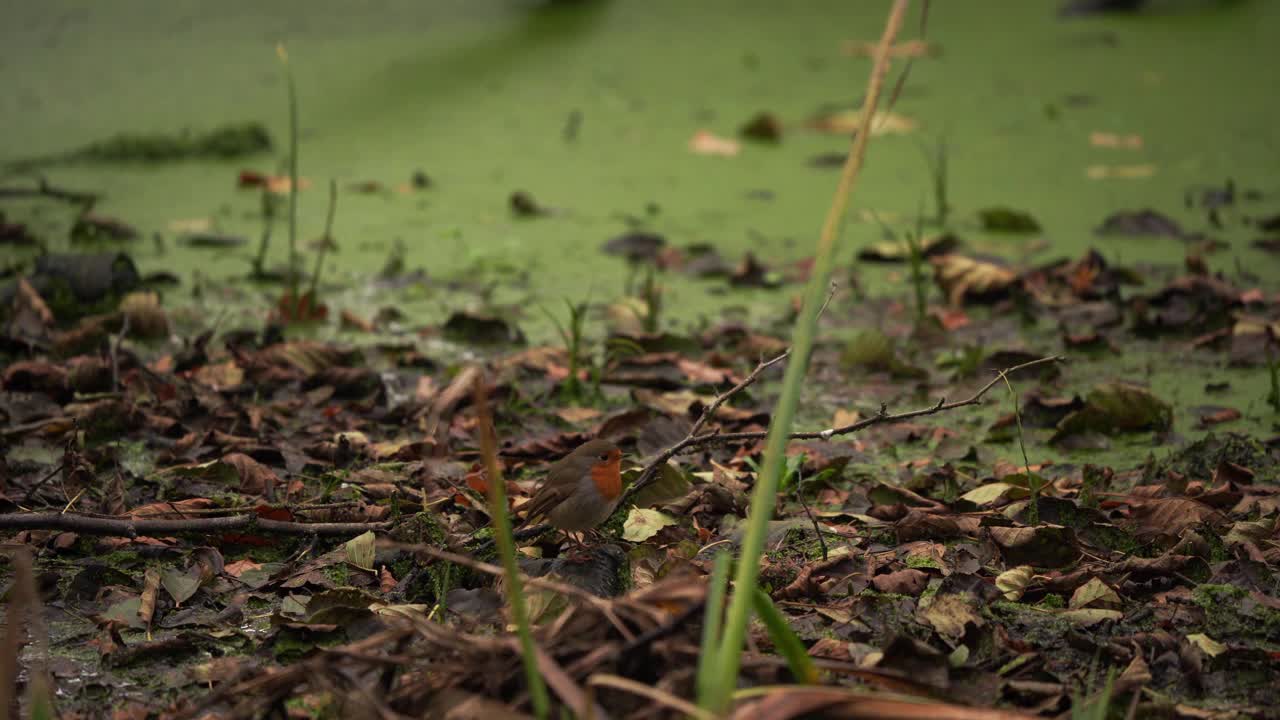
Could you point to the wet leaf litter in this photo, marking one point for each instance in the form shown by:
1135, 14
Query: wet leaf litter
225, 519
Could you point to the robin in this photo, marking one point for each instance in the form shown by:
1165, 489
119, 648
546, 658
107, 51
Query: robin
581, 490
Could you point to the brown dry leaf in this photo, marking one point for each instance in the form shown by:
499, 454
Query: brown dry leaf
704, 142
577, 415
219, 376
1048, 546
255, 478
146, 318
352, 321
908, 581
237, 568
1172, 516
951, 614
919, 525
147, 606
962, 278
31, 315
1120, 172
796, 701
1113, 140
280, 184
386, 581
844, 417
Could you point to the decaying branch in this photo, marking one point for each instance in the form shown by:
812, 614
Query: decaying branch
882, 417
131, 528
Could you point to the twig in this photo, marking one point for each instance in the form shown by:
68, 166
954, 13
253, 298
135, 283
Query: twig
715, 437
123, 527
33, 425
880, 418
653, 694
491, 569
115, 353
816, 529
43, 189
41, 483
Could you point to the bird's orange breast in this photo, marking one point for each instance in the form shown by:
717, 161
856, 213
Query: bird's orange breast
607, 476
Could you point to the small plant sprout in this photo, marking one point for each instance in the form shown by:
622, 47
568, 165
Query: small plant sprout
651, 293
293, 169
919, 280
571, 335
1273, 368
937, 163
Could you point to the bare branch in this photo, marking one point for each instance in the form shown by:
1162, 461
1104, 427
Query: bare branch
127, 527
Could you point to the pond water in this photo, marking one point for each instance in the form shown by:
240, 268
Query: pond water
477, 94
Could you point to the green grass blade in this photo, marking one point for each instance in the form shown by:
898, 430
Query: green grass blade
293, 171
711, 623
507, 551
764, 496
785, 639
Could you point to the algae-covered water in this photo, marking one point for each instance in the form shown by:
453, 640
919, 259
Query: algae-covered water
479, 96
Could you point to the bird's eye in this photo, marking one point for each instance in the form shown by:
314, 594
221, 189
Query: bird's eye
604, 456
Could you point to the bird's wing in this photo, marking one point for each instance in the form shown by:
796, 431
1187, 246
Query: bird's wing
545, 499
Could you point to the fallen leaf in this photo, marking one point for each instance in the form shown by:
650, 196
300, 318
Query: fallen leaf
1207, 645
360, 550
1120, 172
964, 278
1114, 140
642, 524
704, 142
1094, 592
1013, 583
907, 581
1090, 616
1050, 546
951, 614
846, 122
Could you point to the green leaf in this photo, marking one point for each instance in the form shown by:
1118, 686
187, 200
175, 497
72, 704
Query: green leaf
993, 494
360, 550
642, 524
671, 484
180, 584
125, 612
1117, 407
785, 639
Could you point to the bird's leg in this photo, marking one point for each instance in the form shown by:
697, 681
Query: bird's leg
579, 552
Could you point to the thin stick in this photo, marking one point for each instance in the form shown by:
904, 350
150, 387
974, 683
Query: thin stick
43, 189
650, 693
131, 528
115, 354
715, 437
